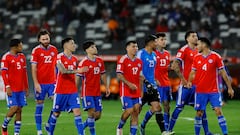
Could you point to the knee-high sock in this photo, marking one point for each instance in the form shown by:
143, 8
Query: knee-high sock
91, 125
223, 124
52, 123
197, 125
17, 126
173, 120
6, 121
121, 124
166, 120
160, 121
38, 116
148, 115
133, 129
205, 123
79, 124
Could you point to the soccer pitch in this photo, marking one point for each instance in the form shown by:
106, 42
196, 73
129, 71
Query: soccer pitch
111, 115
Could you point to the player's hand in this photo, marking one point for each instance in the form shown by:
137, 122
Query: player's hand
83, 69
27, 92
184, 82
158, 83
189, 85
132, 86
108, 92
38, 88
231, 92
9, 91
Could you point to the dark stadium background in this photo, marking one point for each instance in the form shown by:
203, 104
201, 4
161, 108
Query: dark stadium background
110, 23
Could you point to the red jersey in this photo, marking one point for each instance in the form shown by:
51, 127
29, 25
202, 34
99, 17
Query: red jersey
46, 63
186, 55
92, 78
206, 68
66, 83
131, 70
14, 71
161, 69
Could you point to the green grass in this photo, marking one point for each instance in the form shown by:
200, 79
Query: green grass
111, 115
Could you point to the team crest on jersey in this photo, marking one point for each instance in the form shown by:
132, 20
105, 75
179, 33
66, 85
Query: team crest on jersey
52, 53
21, 60
99, 64
41, 54
191, 54
90, 66
12, 61
199, 62
129, 65
65, 62
210, 61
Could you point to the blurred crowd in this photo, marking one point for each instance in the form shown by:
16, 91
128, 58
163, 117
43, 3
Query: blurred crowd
170, 16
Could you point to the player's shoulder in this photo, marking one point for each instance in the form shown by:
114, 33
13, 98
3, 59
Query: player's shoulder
21, 54
123, 58
36, 48
215, 54
98, 58
5, 56
83, 61
184, 48
60, 55
74, 57
53, 47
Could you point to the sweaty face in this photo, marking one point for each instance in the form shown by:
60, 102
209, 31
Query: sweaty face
44, 40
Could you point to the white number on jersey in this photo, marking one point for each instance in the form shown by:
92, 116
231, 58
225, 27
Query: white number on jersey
135, 69
18, 65
48, 59
96, 70
163, 62
204, 67
151, 63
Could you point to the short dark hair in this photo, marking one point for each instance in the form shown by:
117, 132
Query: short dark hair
87, 44
188, 34
160, 35
130, 42
65, 41
14, 42
206, 41
150, 38
42, 32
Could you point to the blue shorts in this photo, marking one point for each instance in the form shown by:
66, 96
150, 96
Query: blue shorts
65, 102
128, 102
185, 96
89, 102
165, 93
46, 89
17, 99
202, 100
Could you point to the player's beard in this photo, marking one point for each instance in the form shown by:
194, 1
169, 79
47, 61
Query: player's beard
45, 44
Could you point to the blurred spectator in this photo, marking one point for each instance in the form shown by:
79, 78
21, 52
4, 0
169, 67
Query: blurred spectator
162, 26
1, 30
33, 27
217, 44
113, 25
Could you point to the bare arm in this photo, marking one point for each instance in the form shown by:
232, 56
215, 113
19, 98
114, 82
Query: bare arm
105, 82
63, 70
224, 75
190, 78
176, 68
124, 80
34, 77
